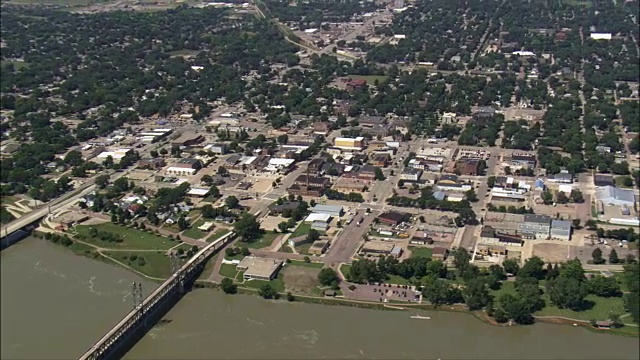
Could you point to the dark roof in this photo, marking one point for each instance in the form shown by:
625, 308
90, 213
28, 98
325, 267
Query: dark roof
189, 161
368, 169
286, 206
488, 231
511, 239
394, 216
603, 180
531, 158
540, 219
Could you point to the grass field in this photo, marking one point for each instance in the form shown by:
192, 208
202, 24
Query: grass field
345, 270
304, 249
301, 280
309, 265
602, 309
229, 270
155, 264
420, 251
619, 180
277, 283
217, 234
193, 231
397, 280
133, 239
370, 79
265, 241
303, 229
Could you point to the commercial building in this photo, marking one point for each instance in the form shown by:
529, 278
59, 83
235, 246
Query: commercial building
451, 182
393, 217
349, 143
188, 139
562, 177
333, 210
198, 192
312, 181
468, 166
206, 226
116, 155
611, 195
321, 226
380, 248
535, 226
439, 253
217, 148
491, 250
348, 185
411, 174
188, 164
256, 268
313, 217
523, 160
560, 230
151, 163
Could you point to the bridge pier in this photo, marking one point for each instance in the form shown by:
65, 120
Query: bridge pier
132, 328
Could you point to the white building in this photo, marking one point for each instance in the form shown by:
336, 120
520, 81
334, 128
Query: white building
600, 36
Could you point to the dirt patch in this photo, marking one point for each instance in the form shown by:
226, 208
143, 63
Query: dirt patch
551, 252
300, 279
269, 223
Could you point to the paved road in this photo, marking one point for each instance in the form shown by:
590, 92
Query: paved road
347, 242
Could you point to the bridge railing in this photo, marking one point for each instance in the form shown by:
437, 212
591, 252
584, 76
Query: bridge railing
151, 299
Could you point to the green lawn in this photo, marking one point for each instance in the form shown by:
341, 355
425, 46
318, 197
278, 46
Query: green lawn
601, 310
619, 180
370, 79
265, 241
193, 231
81, 249
277, 283
228, 270
218, 234
234, 257
133, 239
304, 249
315, 265
155, 264
397, 280
303, 229
508, 287
420, 251
345, 269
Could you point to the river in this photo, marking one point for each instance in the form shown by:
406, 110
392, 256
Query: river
47, 291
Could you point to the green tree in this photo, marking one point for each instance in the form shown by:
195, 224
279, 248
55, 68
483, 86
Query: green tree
102, 181
476, 295
533, 267
247, 228
511, 266
268, 292
231, 202
604, 286
613, 257
566, 292
379, 175
313, 235
228, 286
436, 291
182, 223
328, 277
513, 308
596, 254
214, 192
547, 197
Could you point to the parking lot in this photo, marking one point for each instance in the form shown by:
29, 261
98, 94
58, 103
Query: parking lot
382, 293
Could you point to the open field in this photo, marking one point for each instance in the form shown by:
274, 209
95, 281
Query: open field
217, 234
277, 283
602, 309
265, 241
302, 229
193, 231
315, 265
301, 280
154, 264
133, 239
229, 270
417, 251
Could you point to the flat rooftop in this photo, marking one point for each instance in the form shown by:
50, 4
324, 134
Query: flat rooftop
259, 267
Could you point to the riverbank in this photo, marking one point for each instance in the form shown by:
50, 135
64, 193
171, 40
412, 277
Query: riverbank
93, 252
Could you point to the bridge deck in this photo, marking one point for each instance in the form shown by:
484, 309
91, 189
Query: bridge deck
163, 289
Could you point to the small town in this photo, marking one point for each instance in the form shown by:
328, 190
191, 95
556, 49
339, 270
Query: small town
306, 153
